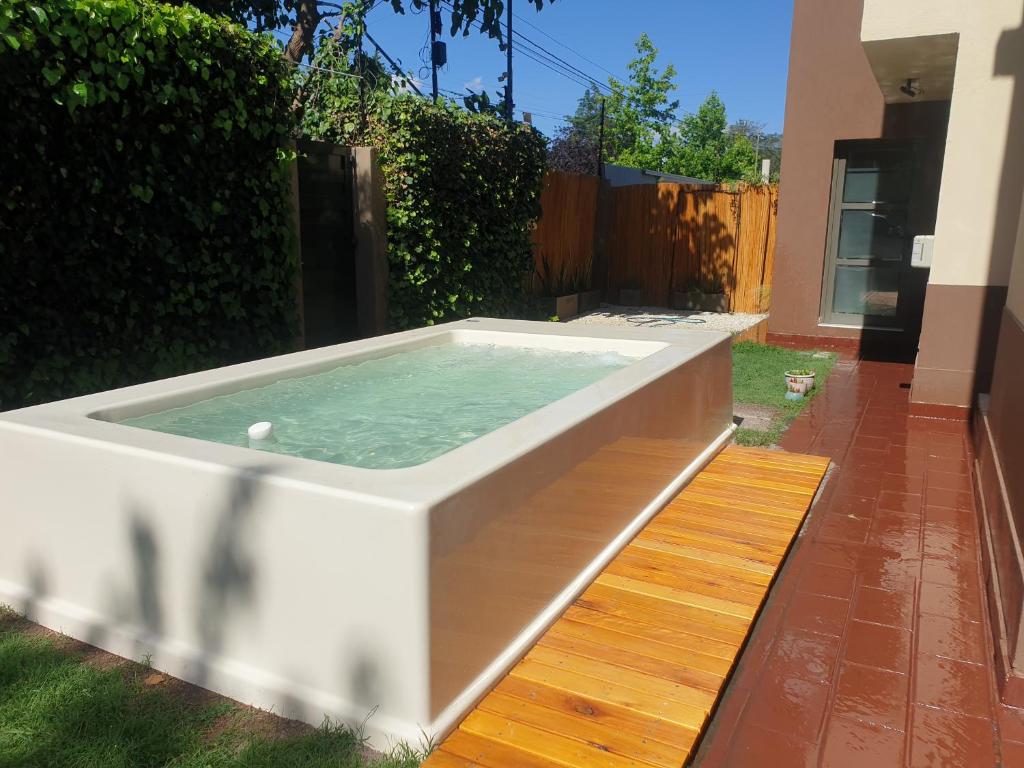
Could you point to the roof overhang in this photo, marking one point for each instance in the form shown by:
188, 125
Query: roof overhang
929, 59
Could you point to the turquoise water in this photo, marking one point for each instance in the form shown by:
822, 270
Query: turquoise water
394, 411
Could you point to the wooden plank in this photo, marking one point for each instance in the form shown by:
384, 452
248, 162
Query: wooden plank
630, 672
553, 747
611, 692
720, 605
480, 750
705, 555
616, 741
680, 640
698, 567
605, 714
636, 566
601, 669
627, 656
691, 658
640, 607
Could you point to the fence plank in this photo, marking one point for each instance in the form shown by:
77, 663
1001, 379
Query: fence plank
664, 239
563, 240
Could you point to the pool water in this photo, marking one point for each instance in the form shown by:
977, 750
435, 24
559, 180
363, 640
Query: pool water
395, 411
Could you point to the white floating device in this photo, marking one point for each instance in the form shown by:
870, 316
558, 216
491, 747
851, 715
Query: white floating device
261, 430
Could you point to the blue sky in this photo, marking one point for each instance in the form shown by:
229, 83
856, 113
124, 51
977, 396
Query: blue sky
739, 48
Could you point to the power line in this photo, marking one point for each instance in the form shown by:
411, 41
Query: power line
568, 48
546, 58
325, 69
394, 66
562, 63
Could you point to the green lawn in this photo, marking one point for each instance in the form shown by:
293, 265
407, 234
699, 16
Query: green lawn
58, 707
758, 379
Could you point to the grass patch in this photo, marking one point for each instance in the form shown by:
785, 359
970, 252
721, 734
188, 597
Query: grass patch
58, 707
758, 379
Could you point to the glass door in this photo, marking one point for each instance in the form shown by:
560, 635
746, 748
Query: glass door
869, 243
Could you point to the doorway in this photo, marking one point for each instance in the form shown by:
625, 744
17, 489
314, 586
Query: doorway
884, 192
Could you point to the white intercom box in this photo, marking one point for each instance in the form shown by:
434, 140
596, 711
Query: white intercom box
921, 255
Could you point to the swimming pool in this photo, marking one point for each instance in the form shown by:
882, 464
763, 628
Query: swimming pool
396, 548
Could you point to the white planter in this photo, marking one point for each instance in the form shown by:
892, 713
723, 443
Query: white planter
799, 384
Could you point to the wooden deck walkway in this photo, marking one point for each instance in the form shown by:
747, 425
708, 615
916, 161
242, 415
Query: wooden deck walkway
630, 673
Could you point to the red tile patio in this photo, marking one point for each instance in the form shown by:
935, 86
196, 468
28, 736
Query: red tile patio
873, 649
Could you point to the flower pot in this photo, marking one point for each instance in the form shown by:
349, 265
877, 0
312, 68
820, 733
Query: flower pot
589, 300
687, 300
631, 297
564, 307
700, 302
799, 383
715, 302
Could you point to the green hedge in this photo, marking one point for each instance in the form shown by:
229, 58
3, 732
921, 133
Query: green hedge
145, 221
463, 192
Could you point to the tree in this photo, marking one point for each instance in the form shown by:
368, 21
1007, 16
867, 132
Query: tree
305, 17
642, 130
638, 112
767, 145
707, 148
573, 151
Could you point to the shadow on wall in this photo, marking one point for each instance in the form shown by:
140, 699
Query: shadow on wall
1009, 62
226, 576
225, 590
705, 246
667, 239
925, 124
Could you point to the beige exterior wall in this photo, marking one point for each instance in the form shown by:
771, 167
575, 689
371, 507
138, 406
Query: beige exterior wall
982, 168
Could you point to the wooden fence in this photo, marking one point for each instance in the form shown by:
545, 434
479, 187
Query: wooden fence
663, 239
563, 241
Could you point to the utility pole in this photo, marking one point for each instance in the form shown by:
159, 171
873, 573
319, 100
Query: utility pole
433, 46
508, 71
600, 144
359, 70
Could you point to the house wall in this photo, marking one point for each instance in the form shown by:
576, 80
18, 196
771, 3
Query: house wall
831, 96
1000, 484
982, 178
1006, 405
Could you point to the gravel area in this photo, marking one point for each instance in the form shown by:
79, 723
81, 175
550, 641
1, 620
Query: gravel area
659, 317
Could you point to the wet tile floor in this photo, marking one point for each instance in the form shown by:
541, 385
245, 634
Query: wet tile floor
872, 649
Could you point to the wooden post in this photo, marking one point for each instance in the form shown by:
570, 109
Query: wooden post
296, 251
369, 211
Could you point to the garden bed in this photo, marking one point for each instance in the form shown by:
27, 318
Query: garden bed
758, 380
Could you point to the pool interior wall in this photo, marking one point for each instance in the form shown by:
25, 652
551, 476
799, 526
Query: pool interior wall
314, 588
371, 413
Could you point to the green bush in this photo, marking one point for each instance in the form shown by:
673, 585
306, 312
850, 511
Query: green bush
463, 192
145, 224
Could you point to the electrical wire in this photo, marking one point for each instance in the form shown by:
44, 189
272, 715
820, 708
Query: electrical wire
545, 58
315, 68
567, 47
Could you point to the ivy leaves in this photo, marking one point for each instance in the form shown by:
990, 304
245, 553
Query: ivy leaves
147, 222
463, 192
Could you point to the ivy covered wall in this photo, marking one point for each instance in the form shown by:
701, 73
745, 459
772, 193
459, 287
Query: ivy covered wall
145, 215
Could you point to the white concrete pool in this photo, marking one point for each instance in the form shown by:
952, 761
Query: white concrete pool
347, 570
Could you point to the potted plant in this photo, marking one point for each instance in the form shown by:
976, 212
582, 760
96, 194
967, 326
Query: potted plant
708, 297
714, 298
799, 381
688, 299
631, 295
560, 286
